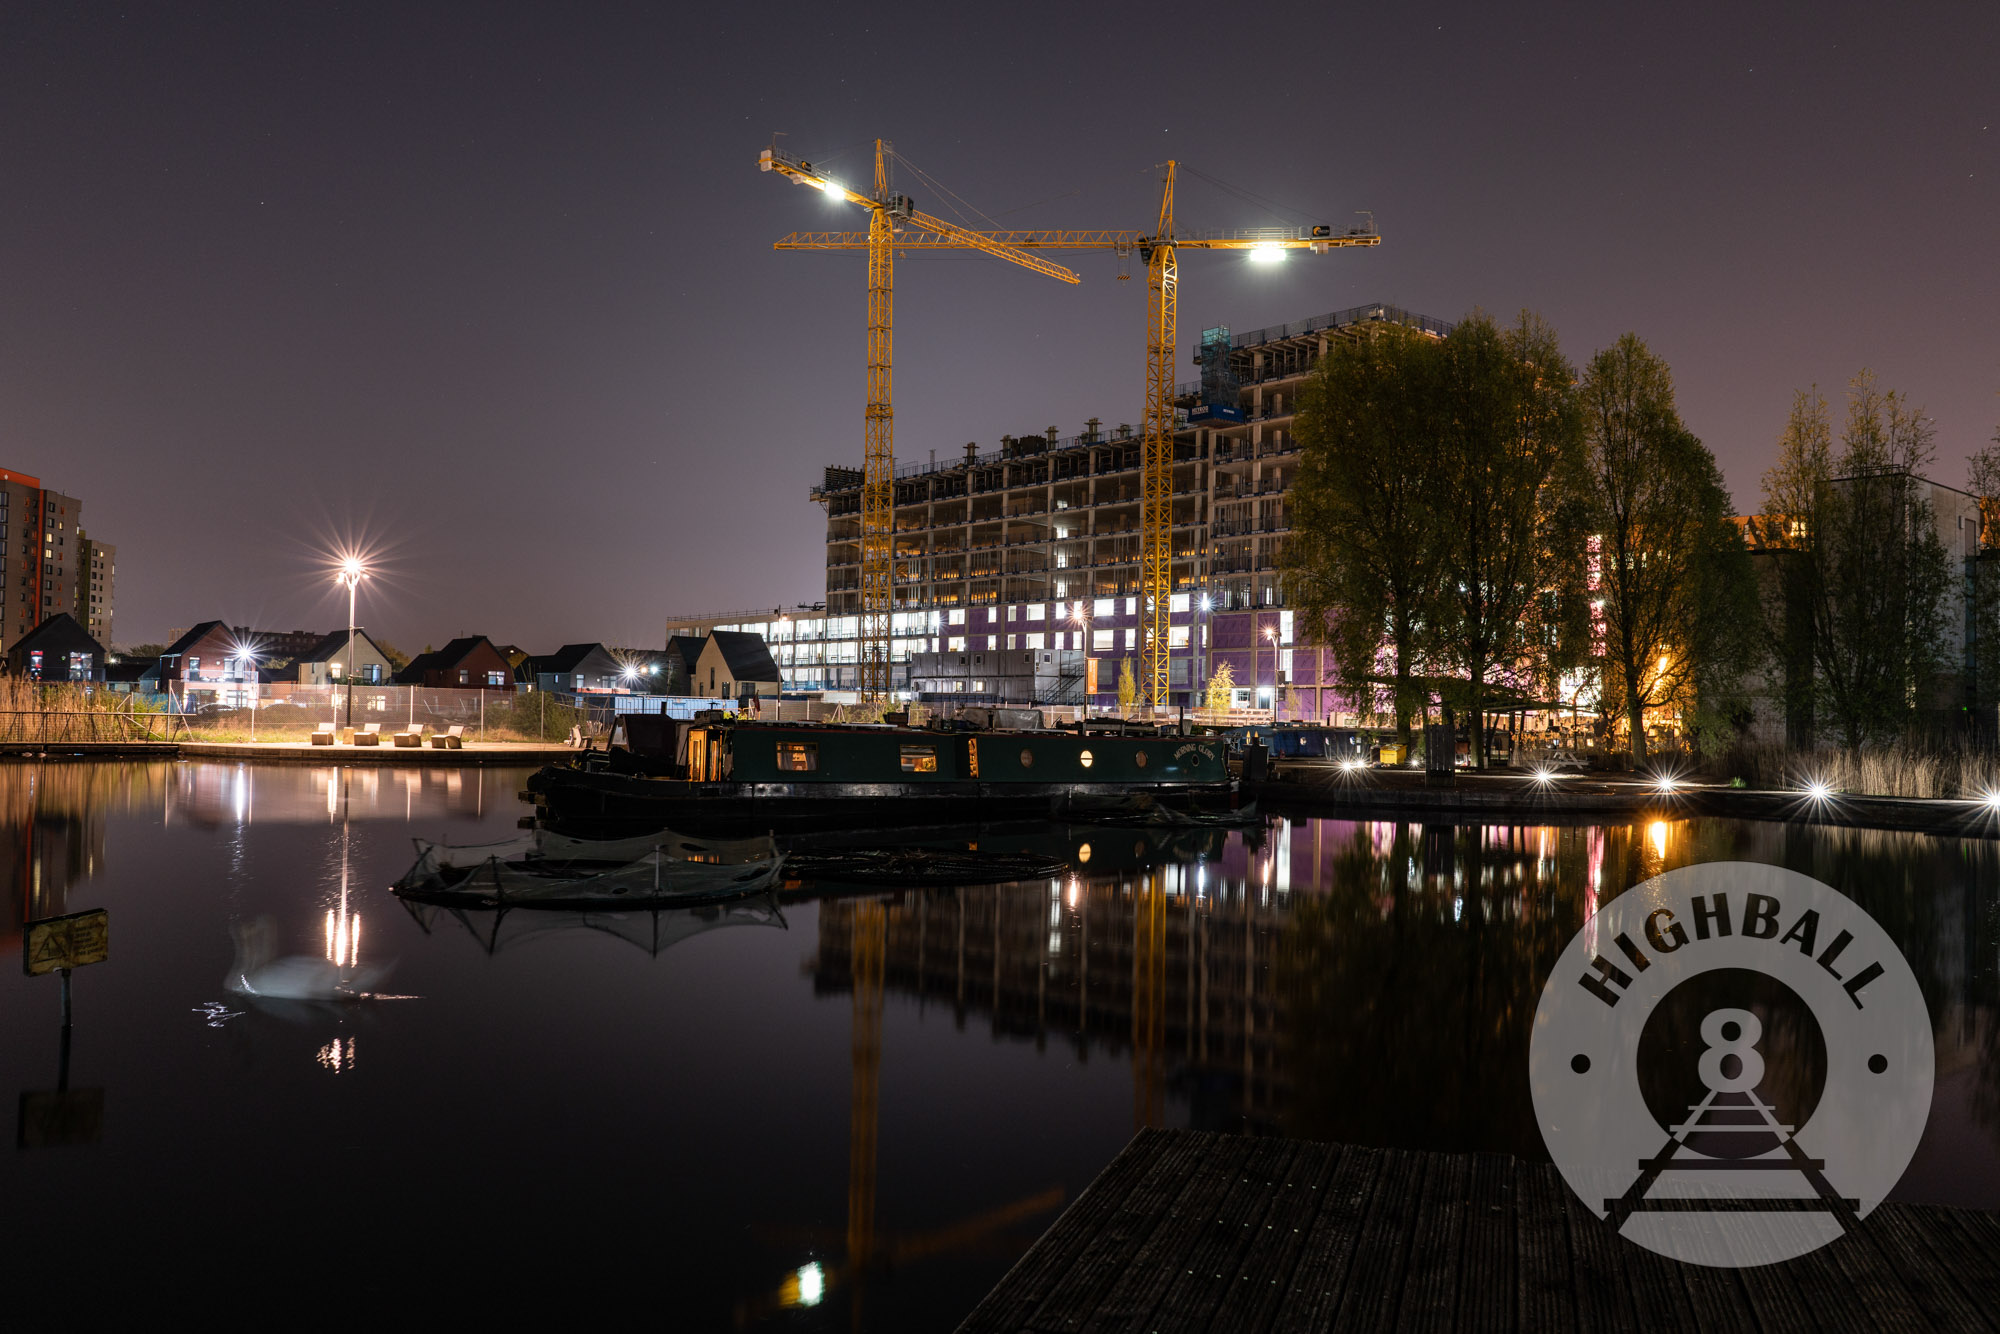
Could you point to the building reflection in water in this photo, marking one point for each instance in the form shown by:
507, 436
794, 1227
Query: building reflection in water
1371, 983
52, 823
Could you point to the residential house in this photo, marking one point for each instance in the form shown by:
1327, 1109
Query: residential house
574, 667
331, 658
211, 652
58, 649
735, 665
468, 663
683, 652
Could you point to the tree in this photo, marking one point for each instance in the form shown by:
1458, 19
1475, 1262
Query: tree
145, 650
1128, 687
1221, 687
1859, 607
1512, 513
1362, 564
1672, 580
398, 659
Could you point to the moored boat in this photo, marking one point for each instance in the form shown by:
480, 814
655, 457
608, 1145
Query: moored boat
752, 776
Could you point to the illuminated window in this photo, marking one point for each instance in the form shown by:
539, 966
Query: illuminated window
798, 756
1034, 641
1085, 759
919, 760
1100, 640
1035, 612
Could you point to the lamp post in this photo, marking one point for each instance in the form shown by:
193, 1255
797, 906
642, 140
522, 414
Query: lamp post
1081, 618
1198, 678
1257, 672
246, 662
351, 571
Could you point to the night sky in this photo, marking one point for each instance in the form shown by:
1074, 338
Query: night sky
491, 289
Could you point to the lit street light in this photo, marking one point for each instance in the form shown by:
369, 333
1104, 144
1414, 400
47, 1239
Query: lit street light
351, 573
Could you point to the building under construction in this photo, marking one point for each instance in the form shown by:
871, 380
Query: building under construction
1036, 545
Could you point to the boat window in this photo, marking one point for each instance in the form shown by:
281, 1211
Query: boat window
1027, 759
919, 760
798, 756
1085, 758
1140, 759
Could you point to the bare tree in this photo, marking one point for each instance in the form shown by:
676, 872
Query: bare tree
1674, 594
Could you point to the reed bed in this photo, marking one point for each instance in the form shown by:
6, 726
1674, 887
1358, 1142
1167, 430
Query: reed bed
1926, 769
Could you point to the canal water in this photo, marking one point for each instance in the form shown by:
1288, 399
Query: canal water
841, 1111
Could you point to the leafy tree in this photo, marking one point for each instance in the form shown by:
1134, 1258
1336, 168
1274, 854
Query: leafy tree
1859, 607
398, 659
1221, 687
144, 651
1510, 510
1363, 562
1672, 578
1128, 687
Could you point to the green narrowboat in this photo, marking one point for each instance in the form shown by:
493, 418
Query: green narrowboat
761, 775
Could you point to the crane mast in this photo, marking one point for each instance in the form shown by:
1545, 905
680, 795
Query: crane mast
1160, 249
878, 478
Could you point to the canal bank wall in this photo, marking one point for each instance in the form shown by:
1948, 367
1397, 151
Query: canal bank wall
474, 755
1370, 794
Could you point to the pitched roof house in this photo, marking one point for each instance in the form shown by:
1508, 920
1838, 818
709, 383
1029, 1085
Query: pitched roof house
735, 665
471, 662
330, 660
574, 667
59, 649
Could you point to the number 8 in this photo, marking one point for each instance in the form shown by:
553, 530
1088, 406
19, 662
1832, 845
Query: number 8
1743, 1046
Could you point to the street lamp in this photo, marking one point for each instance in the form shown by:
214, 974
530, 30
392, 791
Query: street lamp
1256, 670
246, 662
351, 573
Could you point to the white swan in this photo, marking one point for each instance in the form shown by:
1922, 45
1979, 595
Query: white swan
296, 976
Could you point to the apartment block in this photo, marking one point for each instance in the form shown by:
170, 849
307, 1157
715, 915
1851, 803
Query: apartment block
1035, 545
47, 565
96, 586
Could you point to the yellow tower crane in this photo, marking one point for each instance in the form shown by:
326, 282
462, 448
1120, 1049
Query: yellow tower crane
888, 215
1160, 249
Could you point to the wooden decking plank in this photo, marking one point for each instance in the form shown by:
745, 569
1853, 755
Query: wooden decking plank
1163, 1256
1927, 1279
1376, 1281
1212, 1275
1969, 1259
1188, 1233
1718, 1299
1659, 1297
1544, 1297
1328, 1254
1097, 1266
1022, 1289
1266, 1276
1878, 1293
1435, 1270
1486, 1253
1597, 1273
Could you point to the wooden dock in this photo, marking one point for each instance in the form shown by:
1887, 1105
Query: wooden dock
1230, 1234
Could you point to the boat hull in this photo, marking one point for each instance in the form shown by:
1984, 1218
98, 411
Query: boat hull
575, 798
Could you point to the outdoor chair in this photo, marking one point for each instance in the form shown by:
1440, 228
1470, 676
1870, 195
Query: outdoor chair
413, 735
452, 738
325, 734
369, 735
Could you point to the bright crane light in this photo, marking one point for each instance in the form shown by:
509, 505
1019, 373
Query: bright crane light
832, 187
1267, 254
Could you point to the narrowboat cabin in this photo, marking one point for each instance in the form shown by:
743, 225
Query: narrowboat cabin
760, 775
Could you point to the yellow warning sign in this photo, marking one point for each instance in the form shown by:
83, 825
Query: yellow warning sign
69, 941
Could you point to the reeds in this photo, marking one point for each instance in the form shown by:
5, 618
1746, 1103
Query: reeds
1926, 769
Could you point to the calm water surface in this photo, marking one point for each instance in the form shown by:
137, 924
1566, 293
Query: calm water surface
850, 1112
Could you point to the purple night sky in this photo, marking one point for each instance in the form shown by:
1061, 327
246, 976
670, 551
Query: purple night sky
491, 286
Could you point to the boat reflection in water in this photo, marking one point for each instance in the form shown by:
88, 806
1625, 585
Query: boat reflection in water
654, 930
